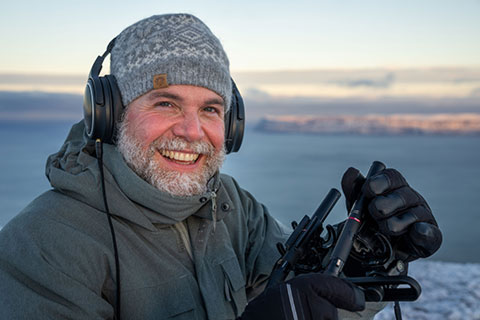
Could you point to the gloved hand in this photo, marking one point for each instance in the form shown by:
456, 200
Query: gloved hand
309, 296
398, 212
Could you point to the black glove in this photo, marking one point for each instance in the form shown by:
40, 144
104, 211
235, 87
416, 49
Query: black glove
398, 212
309, 296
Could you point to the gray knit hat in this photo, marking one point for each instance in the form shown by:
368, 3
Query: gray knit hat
169, 49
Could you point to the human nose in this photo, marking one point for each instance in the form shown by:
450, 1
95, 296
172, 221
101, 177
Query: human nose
189, 128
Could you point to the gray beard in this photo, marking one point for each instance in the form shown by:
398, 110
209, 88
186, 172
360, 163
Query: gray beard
176, 183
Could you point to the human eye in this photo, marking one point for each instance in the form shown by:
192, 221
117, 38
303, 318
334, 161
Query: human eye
163, 104
210, 109
213, 110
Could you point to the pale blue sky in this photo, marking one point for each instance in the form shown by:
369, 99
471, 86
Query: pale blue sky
65, 36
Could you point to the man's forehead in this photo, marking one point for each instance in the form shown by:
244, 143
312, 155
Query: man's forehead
184, 93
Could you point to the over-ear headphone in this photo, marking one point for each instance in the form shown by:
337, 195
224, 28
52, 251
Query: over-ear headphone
103, 108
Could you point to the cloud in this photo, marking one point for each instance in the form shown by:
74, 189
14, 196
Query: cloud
475, 92
371, 83
256, 109
22, 78
383, 82
43, 82
257, 94
375, 76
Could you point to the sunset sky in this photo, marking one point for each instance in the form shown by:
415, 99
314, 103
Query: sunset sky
384, 47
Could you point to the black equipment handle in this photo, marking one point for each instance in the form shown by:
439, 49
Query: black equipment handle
388, 288
295, 245
344, 244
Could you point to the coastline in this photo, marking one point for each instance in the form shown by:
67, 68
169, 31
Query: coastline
374, 124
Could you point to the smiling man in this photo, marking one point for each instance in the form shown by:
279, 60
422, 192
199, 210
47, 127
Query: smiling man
146, 227
185, 241
174, 138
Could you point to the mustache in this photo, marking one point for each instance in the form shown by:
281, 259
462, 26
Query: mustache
177, 143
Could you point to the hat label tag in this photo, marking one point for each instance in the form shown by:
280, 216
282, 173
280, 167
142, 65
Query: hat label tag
160, 81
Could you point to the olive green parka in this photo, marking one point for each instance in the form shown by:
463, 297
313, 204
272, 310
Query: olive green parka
57, 260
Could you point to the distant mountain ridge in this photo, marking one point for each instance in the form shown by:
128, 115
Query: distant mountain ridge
457, 124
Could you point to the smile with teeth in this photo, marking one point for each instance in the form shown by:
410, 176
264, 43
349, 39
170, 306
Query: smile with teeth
180, 157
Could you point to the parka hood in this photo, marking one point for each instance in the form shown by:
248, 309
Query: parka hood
74, 171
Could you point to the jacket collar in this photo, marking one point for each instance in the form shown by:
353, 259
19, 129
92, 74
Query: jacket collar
157, 206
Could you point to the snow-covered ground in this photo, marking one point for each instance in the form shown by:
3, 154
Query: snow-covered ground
450, 291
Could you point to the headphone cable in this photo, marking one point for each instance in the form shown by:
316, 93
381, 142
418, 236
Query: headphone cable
99, 153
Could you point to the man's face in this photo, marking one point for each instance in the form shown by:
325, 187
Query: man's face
173, 138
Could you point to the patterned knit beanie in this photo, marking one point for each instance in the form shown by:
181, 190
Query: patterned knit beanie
169, 49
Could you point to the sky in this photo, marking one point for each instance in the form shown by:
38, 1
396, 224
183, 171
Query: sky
61, 39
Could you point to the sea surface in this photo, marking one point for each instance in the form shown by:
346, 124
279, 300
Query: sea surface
292, 173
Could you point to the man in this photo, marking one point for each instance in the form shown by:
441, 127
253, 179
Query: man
185, 242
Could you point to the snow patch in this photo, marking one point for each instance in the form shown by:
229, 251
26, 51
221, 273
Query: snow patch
450, 291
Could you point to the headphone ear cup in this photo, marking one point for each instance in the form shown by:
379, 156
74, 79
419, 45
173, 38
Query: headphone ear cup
102, 108
234, 122
93, 101
88, 108
105, 120
102, 102
116, 107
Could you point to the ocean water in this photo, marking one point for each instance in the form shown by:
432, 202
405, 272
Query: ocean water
292, 173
